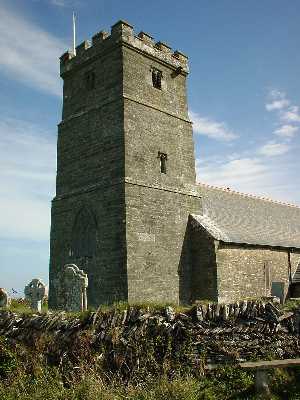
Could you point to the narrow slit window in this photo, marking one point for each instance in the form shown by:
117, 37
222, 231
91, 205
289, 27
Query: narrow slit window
268, 278
163, 162
90, 80
156, 78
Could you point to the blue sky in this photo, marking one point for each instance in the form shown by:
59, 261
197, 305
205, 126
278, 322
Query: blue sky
243, 90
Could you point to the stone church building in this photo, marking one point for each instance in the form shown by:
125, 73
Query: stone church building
128, 210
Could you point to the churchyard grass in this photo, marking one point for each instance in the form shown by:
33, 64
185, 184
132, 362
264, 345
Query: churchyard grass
291, 305
22, 306
228, 383
151, 306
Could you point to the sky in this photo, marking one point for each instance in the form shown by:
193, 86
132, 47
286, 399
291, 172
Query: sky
243, 94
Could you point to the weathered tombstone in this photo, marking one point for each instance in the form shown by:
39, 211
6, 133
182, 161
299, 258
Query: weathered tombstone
74, 284
35, 292
4, 298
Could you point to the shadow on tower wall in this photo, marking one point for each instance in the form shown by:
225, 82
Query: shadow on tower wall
197, 268
185, 269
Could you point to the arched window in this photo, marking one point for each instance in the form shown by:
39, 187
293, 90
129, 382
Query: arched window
84, 235
90, 79
156, 78
163, 162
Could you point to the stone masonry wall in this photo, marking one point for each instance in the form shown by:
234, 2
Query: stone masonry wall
90, 167
108, 70
90, 149
241, 271
90, 171
158, 256
149, 131
156, 120
157, 204
110, 135
137, 70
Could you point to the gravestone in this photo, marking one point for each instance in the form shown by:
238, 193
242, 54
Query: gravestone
35, 292
4, 298
74, 285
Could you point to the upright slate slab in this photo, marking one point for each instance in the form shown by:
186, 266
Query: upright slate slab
74, 284
4, 298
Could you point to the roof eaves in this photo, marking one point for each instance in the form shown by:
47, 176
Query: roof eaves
212, 228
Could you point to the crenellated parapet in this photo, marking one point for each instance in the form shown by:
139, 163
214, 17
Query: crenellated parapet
122, 33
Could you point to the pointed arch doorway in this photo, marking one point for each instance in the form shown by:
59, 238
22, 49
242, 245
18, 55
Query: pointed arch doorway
84, 244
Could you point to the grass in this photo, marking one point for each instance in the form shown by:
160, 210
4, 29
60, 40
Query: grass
21, 306
48, 384
146, 306
291, 305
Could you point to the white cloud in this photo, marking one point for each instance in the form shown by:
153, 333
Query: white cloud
27, 180
277, 105
288, 115
66, 3
276, 94
59, 3
271, 149
29, 54
247, 175
287, 131
212, 129
258, 171
278, 100
291, 115
255, 175
231, 172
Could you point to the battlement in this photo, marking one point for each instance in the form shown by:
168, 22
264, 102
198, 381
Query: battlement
123, 33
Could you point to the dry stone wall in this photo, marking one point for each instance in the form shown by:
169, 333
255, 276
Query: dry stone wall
204, 334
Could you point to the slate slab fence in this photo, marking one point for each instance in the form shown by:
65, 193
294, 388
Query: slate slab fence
217, 334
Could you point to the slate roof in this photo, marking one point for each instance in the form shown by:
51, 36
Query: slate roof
234, 217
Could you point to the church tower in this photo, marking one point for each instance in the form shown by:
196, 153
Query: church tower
125, 170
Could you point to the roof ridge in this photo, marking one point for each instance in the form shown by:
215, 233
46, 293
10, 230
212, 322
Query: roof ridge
228, 190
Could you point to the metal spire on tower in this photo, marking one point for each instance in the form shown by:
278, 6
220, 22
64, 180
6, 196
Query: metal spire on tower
74, 34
